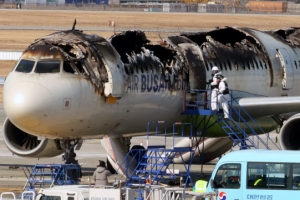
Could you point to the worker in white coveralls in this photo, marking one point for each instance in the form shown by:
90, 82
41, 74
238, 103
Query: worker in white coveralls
214, 87
223, 94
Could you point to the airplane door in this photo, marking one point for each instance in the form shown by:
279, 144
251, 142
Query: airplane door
287, 69
197, 72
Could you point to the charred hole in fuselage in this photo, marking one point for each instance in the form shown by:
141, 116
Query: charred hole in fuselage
219, 45
291, 35
226, 36
138, 55
284, 33
66, 48
81, 54
128, 42
78, 66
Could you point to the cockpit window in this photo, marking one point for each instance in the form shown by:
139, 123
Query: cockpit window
52, 66
25, 66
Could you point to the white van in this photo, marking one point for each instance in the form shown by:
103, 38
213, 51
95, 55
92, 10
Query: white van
78, 192
257, 175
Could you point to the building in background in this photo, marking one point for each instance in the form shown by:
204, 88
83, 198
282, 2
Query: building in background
268, 6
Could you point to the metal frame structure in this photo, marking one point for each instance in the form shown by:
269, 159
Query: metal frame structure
240, 127
48, 175
153, 162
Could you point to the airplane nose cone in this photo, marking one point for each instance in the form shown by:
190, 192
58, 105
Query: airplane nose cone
27, 103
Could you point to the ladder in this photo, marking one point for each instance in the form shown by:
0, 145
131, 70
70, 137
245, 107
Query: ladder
153, 162
48, 175
244, 132
240, 127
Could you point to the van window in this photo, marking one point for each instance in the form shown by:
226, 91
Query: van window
296, 177
268, 175
50, 198
228, 176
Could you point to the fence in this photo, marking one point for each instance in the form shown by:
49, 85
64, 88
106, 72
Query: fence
10, 55
113, 5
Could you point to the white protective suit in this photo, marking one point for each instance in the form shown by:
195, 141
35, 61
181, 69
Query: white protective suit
214, 91
223, 98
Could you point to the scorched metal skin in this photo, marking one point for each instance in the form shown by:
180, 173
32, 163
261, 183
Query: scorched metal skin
114, 87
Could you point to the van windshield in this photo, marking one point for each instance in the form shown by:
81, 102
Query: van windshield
228, 176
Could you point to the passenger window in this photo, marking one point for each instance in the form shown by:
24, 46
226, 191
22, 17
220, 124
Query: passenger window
221, 66
52, 66
25, 66
70, 198
228, 176
229, 64
236, 65
225, 66
268, 175
261, 65
296, 177
255, 61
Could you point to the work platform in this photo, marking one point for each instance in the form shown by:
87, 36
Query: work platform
154, 163
240, 126
48, 175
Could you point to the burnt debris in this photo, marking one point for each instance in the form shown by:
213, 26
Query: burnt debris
291, 35
188, 55
139, 55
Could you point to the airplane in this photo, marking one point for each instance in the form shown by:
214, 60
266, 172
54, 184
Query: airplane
70, 86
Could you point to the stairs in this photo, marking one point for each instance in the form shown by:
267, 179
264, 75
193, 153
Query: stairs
240, 127
47, 175
154, 164
244, 133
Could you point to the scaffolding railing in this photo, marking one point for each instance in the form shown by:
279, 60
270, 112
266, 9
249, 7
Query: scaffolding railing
240, 126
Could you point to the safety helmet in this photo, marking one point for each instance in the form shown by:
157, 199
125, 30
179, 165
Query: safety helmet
215, 68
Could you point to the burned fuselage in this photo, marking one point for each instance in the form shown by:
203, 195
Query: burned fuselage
71, 85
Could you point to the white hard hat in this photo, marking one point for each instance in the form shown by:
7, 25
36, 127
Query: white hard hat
215, 68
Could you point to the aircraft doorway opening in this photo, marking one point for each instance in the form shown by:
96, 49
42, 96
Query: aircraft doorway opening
287, 69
